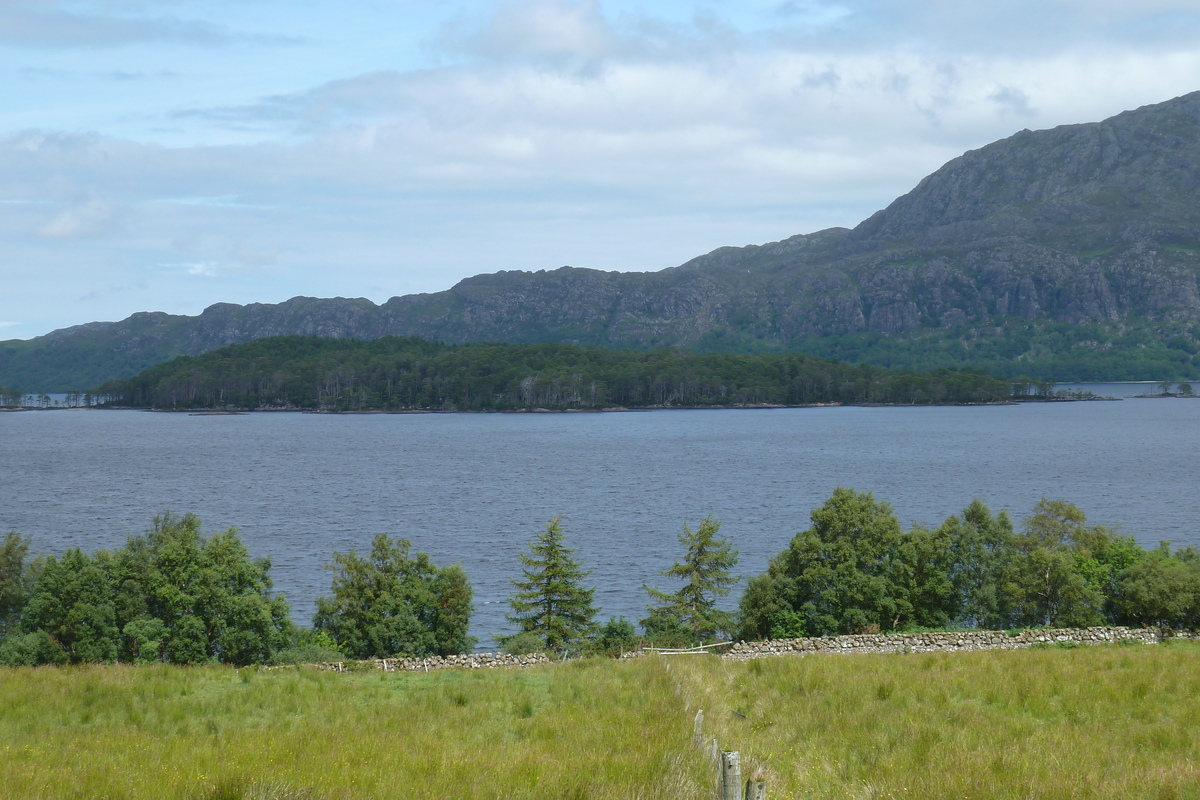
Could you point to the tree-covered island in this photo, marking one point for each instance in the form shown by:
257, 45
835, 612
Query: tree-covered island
410, 374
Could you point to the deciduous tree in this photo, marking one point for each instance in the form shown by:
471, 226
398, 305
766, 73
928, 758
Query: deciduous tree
17, 577
392, 604
1060, 570
73, 604
983, 545
1160, 590
188, 598
834, 576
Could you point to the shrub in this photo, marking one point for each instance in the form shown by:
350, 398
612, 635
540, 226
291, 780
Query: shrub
522, 644
31, 650
615, 638
306, 654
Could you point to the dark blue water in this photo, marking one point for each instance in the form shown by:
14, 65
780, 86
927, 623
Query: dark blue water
475, 488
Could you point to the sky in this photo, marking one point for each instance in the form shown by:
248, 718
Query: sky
164, 155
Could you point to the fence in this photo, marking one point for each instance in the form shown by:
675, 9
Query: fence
679, 651
727, 764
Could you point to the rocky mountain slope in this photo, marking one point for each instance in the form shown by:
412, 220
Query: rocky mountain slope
1049, 252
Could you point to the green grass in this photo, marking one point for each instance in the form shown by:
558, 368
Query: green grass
585, 729
1088, 722
1094, 722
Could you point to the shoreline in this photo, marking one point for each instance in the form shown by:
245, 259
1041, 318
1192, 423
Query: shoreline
235, 412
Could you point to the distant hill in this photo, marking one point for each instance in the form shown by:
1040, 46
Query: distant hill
1067, 254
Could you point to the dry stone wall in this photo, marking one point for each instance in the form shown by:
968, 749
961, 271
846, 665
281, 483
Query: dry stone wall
950, 641
466, 661
860, 643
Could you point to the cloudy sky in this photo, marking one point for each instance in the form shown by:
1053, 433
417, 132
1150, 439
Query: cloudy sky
169, 154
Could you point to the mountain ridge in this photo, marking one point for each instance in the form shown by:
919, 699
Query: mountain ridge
1090, 226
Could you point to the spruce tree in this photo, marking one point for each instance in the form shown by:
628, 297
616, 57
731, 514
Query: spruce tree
705, 573
551, 602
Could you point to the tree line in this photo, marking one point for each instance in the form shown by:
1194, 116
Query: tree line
174, 595
404, 373
854, 569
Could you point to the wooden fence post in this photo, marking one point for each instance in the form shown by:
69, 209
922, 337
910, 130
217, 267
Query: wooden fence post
731, 775
756, 790
698, 727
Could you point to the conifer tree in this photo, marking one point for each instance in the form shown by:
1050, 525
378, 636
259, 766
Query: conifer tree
705, 573
551, 602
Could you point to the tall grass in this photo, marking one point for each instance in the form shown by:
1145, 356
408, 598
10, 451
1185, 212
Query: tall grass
1096, 722
593, 729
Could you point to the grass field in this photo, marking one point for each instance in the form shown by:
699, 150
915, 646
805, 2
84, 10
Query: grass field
588, 729
1090, 722
1099, 722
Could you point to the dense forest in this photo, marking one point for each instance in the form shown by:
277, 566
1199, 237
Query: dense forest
393, 373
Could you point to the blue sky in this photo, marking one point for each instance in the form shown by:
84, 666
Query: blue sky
162, 155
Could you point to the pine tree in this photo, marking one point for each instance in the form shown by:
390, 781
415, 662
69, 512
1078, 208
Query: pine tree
705, 573
550, 602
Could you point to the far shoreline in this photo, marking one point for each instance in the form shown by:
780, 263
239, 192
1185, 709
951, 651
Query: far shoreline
235, 412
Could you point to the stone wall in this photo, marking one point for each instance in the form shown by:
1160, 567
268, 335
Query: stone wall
951, 641
861, 643
467, 661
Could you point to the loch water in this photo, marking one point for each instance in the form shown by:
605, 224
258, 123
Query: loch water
476, 488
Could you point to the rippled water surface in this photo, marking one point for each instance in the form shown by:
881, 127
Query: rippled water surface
475, 488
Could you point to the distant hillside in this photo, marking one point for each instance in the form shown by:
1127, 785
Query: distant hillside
1067, 254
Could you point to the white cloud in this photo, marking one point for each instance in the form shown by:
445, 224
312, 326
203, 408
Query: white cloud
213, 255
642, 122
559, 31
89, 218
207, 269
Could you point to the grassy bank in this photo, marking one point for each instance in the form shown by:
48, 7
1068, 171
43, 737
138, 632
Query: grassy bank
589, 729
1092, 722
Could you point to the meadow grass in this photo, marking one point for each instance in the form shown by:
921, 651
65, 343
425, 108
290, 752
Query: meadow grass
589, 729
1089, 722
